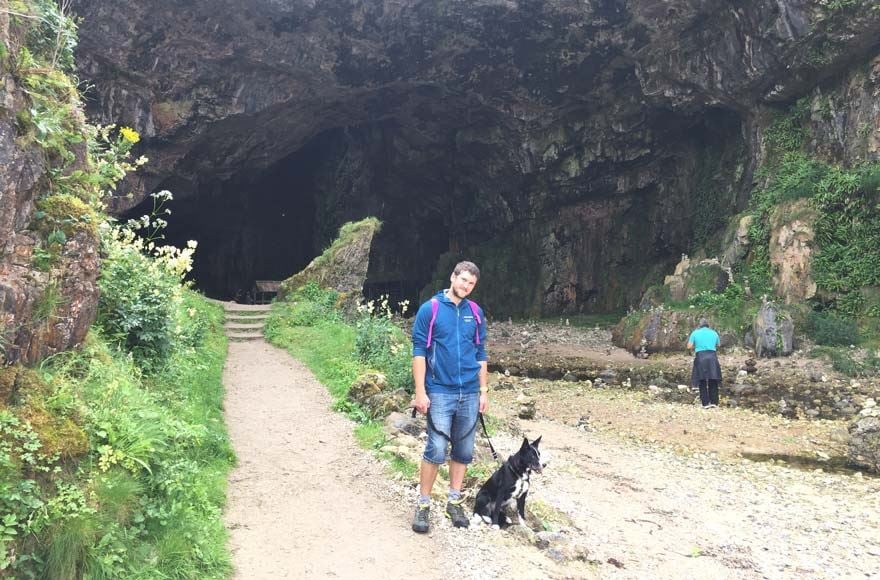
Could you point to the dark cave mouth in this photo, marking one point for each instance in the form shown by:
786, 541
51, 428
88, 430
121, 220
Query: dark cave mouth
266, 225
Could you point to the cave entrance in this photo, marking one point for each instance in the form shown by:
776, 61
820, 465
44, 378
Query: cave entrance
264, 225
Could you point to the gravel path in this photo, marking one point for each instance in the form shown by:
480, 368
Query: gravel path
305, 501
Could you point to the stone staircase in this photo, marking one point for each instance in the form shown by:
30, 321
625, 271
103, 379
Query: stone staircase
245, 322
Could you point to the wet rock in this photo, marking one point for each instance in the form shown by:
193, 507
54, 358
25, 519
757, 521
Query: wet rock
526, 407
864, 440
773, 331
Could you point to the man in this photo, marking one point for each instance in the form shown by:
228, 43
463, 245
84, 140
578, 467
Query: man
706, 371
451, 377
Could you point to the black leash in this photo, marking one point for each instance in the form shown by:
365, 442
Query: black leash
489, 441
485, 433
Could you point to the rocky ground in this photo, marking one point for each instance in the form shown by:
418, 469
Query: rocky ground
640, 484
636, 486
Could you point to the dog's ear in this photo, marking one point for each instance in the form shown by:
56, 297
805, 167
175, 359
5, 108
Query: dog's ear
537, 441
525, 443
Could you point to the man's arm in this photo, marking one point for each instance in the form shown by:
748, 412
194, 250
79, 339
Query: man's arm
419, 367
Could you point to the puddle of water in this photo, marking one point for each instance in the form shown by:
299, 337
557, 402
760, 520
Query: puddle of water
836, 464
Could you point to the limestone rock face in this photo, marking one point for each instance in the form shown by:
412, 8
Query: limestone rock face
791, 251
343, 266
864, 439
41, 311
773, 332
565, 142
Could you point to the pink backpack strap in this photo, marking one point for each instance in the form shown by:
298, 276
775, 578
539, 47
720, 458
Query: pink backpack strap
475, 309
435, 306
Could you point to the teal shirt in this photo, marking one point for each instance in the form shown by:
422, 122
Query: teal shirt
704, 339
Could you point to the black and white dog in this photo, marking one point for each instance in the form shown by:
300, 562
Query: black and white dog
509, 484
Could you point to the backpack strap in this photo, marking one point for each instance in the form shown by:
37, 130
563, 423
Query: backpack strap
476, 310
435, 306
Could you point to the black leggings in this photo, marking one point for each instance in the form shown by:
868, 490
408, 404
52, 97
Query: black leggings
709, 394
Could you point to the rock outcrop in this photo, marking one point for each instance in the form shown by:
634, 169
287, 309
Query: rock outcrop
561, 144
791, 251
343, 266
864, 438
48, 292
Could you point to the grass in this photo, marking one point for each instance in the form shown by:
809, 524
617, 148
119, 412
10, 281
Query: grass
146, 499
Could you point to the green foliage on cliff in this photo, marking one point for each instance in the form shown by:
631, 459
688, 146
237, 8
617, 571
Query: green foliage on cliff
103, 469
113, 458
847, 225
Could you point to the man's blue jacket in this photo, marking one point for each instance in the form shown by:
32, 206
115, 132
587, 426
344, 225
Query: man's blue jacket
453, 360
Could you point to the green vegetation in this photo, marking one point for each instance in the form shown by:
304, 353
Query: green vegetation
113, 458
107, 471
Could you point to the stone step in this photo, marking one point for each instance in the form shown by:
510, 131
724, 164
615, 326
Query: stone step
242, 326
244, 335
242, 317
246, 307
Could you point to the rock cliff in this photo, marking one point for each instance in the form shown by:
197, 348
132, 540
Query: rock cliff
574, 149
48, 292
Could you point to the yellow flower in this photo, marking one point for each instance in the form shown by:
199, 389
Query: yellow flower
129, 134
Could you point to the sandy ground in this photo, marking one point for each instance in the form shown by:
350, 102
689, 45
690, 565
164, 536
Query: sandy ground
651, 489
303, 501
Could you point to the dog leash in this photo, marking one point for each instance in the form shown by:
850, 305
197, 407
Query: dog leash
485, 433
489, 441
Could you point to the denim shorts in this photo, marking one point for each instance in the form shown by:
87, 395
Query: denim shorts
452, 419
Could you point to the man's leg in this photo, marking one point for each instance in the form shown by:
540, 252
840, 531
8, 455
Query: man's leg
428, 475
456, 474
463, 433
713, 392
704, 394
439, 424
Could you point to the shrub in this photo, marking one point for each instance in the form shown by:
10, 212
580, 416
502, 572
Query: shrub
141, 290
311, 305
382, 345
828, 328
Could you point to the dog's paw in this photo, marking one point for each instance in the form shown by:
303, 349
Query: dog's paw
496, 527
521, 522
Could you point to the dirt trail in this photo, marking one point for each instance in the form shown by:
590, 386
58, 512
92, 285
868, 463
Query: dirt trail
652, 489
305, 501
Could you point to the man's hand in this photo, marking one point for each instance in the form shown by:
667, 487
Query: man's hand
484, 401
422, 403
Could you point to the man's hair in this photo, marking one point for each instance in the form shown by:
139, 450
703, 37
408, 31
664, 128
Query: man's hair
468, 267
704, 323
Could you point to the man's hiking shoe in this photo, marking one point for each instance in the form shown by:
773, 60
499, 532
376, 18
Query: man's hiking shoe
421, 522
455, 512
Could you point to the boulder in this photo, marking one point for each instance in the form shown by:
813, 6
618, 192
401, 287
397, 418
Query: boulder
370, 392
692, 278
655, 331
343, 266
864, 440
773, 332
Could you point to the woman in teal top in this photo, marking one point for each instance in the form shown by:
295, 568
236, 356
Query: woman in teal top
706, 373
